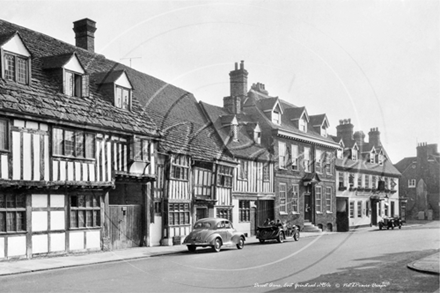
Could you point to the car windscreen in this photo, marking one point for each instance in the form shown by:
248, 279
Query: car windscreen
202, 225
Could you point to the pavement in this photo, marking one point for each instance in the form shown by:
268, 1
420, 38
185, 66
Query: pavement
428, 264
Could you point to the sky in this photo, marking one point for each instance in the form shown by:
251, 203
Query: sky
374, 62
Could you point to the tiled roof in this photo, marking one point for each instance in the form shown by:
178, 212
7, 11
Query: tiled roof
294, 112
286, 123
386, 169
245, 147
317, 120
405, 163
55, 62
179, 117
267, 104
43, 98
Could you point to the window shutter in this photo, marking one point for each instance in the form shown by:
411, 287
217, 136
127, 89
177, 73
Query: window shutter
85, 86
29, 71
2, 62
63, 72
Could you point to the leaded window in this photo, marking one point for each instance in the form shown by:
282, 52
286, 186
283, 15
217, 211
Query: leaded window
244, 210
85, 211
12, 212
73, 143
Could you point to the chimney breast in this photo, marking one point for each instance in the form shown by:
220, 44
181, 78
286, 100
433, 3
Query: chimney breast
85, 34
374, 137
345, 130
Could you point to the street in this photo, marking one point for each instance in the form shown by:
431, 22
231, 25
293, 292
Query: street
367, 260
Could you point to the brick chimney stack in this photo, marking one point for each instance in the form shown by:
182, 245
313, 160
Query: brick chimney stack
238, 83
345, 130
374, 137
85, 34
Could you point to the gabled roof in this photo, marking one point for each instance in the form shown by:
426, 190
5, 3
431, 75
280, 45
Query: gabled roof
7, 37
42, 99
229, 119
319, 120
287, 125
58, 61
269, 104
296, 113
245, 147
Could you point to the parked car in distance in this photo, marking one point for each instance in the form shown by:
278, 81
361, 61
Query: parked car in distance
214, 232
278, 232
390, 222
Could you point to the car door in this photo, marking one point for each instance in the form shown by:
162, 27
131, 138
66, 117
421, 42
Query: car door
221, 230
229, 231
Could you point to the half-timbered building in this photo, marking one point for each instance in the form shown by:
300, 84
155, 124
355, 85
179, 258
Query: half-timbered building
194, 172
77, 150
367, 181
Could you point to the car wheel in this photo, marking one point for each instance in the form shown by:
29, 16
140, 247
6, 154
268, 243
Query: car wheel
296, 235
261, 240
280, 238
191, 248
217, 245
380, 226
240, 243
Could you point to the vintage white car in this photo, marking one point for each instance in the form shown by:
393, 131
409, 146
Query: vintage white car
214, 232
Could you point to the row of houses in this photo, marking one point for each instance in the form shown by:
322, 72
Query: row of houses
95, 155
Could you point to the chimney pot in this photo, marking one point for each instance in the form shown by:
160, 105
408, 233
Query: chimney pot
85, 34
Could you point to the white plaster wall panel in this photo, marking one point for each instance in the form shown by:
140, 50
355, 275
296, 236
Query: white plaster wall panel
4, 166
93, 239
16, 154
18, 123
124, 159
55, 166
39, 200
156, 231
46, 157
57, 220
16, 246
70, 171
2, 247
85, 173
78, 171
62, 171
109, 161
44, 127
76, 240
37, 156
39, 221
27, 163
57, 241
98, 159
92, 172
40, 244
15, 45
57, 200
32, 125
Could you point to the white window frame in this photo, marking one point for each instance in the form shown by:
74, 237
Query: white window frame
318, 199
302, 124
328, 199
295, 198
276, 117
283, 197
307, 159
282, 154
294, 153
411, 183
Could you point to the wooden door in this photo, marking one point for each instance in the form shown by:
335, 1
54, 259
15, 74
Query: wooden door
125, 226
307, 207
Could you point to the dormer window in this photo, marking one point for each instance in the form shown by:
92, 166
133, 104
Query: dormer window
117, 87
122, 99
373, 157
67, 68
354, 153
302, 124
276, 117
15, 60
